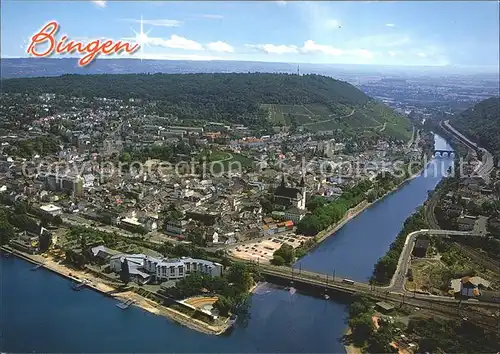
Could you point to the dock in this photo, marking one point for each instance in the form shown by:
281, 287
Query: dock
78, 286
125, 304
37, 266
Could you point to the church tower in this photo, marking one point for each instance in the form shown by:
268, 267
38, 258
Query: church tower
302, 188
283, 185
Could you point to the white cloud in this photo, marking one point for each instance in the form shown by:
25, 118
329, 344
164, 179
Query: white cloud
312, 47
281, 3
176, 42
172, 56
392, 53
332, 24
211, 16
275, 49
390, 25
422, 55
220, 46
99, 3
159, 22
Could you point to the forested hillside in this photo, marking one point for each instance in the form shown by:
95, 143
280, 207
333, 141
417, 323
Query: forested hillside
250, 99
481, 124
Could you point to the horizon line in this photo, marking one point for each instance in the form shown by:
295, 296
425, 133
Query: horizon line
483, 68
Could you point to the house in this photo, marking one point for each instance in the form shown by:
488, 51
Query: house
102, 254
469, 286
494, 225
453, 210
51, 209
466, 223
294, 214
176, 227
384, 306
420, 249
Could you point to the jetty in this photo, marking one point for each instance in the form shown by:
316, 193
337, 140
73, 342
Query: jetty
125, 304
37, 266
78, 286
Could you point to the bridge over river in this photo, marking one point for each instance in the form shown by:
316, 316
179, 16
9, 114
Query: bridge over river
444, 152
333, 284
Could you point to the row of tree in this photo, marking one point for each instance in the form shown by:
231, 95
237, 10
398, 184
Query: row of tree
324, 214
386, 266
232, 288
286, 254
481, 124
452, 336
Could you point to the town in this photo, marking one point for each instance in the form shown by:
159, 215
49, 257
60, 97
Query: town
185, 217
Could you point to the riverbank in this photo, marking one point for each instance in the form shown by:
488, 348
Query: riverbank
358, 209
351, 348
112, 290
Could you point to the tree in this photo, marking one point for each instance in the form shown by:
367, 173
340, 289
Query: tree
359, 306
277, 260
125, 157
266, 204
361, 327
45, 241
240, 276
315, 202
20, 208
57, 221
125, 272
224, 305
427, 345
286, 253
7, 232
379, 341
197, 236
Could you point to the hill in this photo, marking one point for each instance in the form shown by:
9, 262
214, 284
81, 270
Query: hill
481, 123
256, 99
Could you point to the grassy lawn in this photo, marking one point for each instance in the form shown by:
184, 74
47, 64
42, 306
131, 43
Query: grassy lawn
231, 163
218, 156
429, 275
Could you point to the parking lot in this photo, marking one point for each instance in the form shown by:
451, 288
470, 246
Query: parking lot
262, 251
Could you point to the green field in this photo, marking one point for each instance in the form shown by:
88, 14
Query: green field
219, 159
218, 156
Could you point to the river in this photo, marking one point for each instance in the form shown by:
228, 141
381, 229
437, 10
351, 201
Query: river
40, 312
354, 249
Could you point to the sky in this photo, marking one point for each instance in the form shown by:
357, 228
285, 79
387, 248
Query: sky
418, 33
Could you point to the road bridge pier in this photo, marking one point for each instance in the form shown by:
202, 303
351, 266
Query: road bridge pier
315, 287
444, 152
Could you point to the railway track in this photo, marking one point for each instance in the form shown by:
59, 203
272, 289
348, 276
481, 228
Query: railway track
430, 214
479, 257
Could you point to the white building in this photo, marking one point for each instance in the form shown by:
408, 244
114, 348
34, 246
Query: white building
176, 227
166, 269
51, 209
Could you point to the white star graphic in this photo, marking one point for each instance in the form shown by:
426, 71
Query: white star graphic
140, 38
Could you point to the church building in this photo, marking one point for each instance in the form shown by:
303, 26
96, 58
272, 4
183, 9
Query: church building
289, 197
